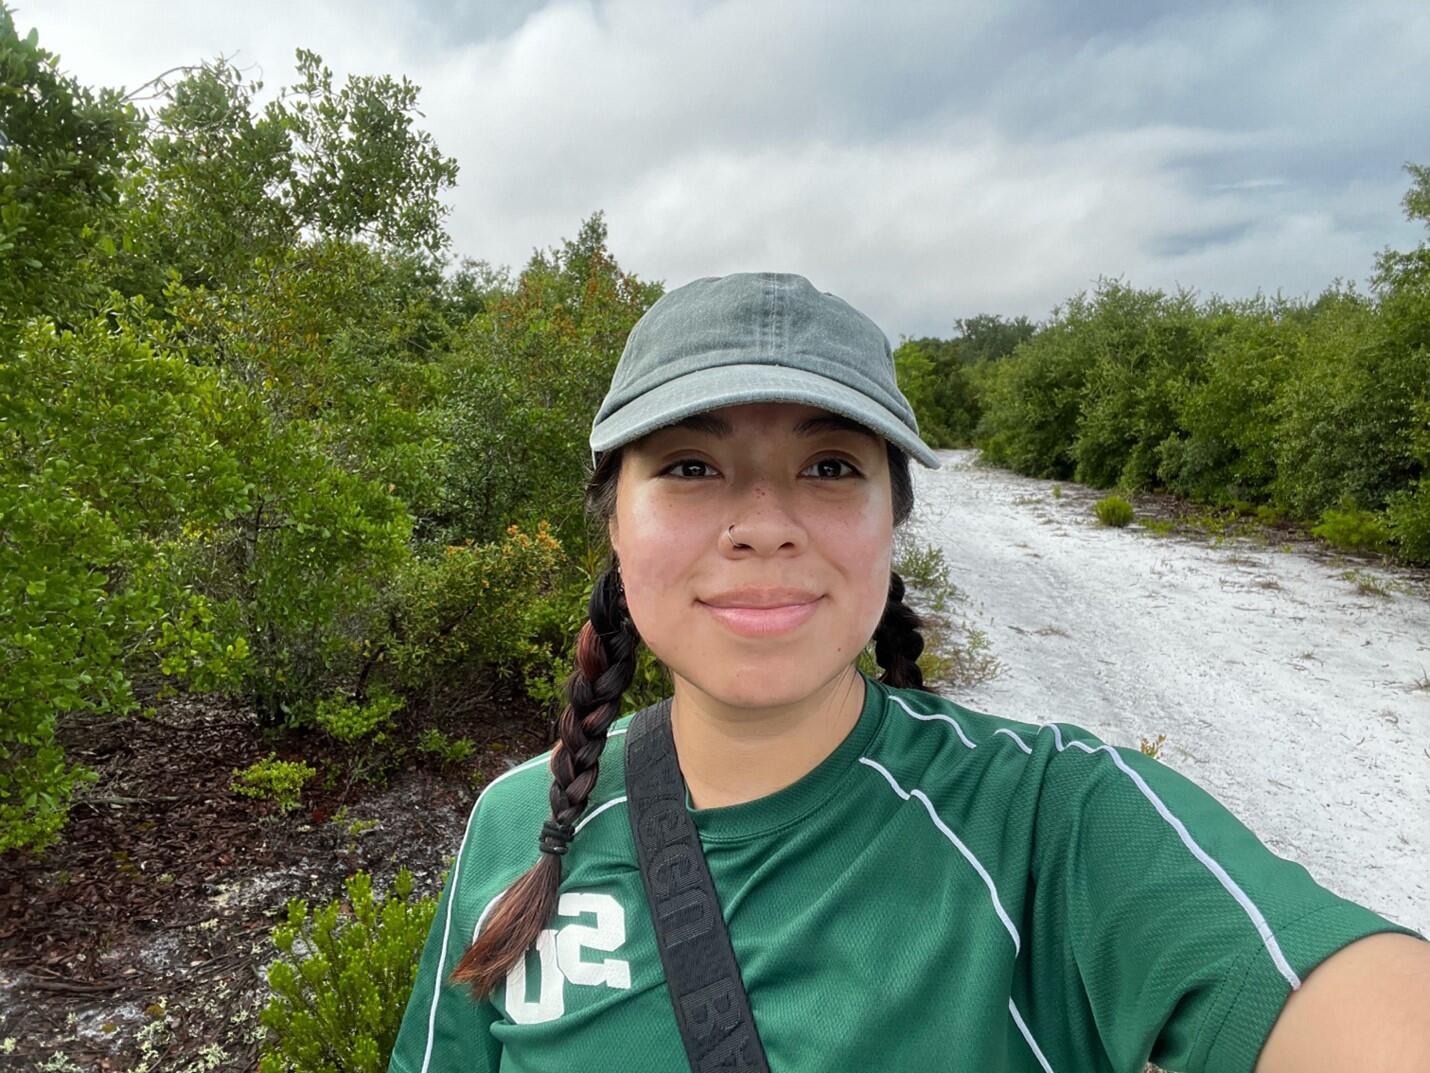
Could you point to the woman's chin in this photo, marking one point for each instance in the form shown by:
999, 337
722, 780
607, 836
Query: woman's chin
760, 683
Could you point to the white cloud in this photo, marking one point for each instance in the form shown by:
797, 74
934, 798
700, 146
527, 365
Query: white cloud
927, 161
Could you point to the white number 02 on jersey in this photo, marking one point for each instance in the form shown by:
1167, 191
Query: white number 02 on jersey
559, 951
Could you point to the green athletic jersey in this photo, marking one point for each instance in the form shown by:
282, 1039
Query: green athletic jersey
947, 890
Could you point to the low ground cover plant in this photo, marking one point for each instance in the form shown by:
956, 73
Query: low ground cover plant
271, 779
1114, 511
342, 979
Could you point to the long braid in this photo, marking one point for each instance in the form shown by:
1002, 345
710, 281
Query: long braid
605, 665
898, 642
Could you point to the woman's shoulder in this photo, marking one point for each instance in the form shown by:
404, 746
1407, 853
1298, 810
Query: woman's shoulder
524, 789
936, 733
513, 792
916, 713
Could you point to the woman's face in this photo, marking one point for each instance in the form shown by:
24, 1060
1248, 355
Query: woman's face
811, 508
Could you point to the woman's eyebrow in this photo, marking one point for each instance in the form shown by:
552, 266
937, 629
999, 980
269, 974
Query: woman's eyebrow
720, 428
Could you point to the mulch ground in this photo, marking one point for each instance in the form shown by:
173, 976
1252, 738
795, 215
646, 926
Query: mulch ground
139, 941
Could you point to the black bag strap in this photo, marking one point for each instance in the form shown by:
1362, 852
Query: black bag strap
709, 997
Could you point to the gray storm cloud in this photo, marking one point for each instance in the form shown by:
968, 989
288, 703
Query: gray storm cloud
927, 161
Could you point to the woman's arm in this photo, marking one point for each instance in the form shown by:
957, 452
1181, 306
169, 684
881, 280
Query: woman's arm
1365, 1009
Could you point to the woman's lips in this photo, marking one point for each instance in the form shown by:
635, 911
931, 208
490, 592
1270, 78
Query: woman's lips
764, 621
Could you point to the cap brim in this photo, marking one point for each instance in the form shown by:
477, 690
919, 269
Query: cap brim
733, 385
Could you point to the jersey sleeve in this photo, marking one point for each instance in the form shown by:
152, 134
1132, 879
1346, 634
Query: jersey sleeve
1186, 933
445, 1029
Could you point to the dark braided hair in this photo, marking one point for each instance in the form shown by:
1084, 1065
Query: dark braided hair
605, 665
898, 642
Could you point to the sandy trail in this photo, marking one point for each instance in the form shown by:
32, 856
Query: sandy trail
1283, 690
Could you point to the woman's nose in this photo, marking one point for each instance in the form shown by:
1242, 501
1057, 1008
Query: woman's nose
762, 522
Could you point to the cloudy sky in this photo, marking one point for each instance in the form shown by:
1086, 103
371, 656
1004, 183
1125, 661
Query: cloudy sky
924, 160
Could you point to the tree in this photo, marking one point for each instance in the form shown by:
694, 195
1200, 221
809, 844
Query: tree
109, 464
63, 158
223, 190
531, 370
988, 337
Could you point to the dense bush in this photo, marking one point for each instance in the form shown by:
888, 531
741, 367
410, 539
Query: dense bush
1407, 511
1407, 515
1219, 448
108, 462
342, 980
64, 155
525, 378
1031, 401
942, 378
1114, 511
1140, 349
253, 438
271, 779
1282, 408
1353, 529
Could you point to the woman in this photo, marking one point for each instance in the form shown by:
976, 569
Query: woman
907, 884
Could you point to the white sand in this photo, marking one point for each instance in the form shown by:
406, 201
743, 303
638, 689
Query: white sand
1283, 691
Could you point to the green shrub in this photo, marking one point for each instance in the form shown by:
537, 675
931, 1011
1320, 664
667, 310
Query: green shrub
350, 721
925, 572
547, 656
1347, 424
470, 603
1113, 510
1030, 400
1144, 347
1226, 419
341, 984
275, 780
523, 380
446, 750
1407, 512
1353, 529
107, 445
1408, 517
66, 148
1366, 584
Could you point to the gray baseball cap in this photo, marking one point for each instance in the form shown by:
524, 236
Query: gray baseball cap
754, 337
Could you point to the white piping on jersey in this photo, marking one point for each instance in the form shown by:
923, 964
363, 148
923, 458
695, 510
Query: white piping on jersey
614, 801
1020, 742
584, 821
967, 853
1027, 1035
477, 929
597, 811
934, 715
988, 882
1268, 938
1263, 929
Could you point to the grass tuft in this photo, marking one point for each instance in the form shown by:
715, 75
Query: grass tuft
1365, 583
1114, 511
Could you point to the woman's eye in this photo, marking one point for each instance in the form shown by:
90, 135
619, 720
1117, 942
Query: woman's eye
835, 462
831, 468
684, 463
